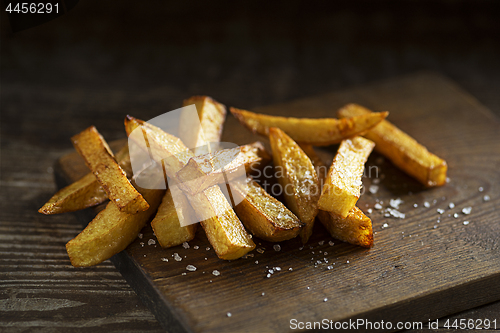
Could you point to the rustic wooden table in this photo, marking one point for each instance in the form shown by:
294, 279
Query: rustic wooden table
99, 62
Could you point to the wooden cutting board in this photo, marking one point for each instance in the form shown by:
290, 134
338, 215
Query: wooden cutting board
419, 269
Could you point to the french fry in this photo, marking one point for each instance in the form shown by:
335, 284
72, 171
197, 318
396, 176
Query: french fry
85, 192
404, 151
263, 215
228, 165
223, 228
99, 159
297, 178
166, 224
317, 132
356, 228
211, 114
110, 232
342, 186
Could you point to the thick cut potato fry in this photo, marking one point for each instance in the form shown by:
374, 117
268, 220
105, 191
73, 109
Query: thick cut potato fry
166, 225
263, 215
342, 186
211, 114
110, 232
404, 151
356, 228
317, 132
222, 166
99, 159
297, 178
85, 192
223, 228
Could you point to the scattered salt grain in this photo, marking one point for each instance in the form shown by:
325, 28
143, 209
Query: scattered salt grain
140, 235
185, 245
177, 257
435, 227
376, 181
277, 247
395, 203
466, 222
164, 259
196, 247
370, 211
321, 243
271, 271
277, 268
455, 215
216, 272
347, 261
229, 314
385, 225
451, 205
151, 242
467, 210
208, 248
308, 288
396, 213
256, 262
183, 274
330, 267
415, 205
486, 198
290, 269
331, 243
378, 206
263, 294
480, 189
373, 189
191, 268
325, 300
142, 244
440, 211
427, 204
260, 250
268, 275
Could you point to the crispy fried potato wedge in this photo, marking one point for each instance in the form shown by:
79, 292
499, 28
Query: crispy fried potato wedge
317, 132
342, 186
85, 192
263, 215
222, 166
211, 114
99, 159
166, 225
404, 151
223, 228
110, 232
297, 177
356, 228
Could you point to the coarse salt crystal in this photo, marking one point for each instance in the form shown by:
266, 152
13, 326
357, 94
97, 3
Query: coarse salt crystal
263, 294
331, 243
427, 204
191, 268
378, 206
395, 203
466, 222
260, 250
455, 215
215, 272
277, 247
229, 314
480, 189
151, 242
370, 211
185, 245
385, 225
196, 247
451, 205
486, 198
164, 259
325, 300
373, 189
290, 269
321, 243
277, 268
140, 235
177, 257
467, 210
440, 211
415, 205
208, 248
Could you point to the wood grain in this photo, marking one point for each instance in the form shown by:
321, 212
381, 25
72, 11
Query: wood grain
419, 268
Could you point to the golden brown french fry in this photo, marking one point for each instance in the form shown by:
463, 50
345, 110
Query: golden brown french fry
166, 224
356, 228
297, 178
342, 186
317, 132
110, 232
263, 215
223, 228
85, 192
228, 165
211, 114
404, 151
99, 159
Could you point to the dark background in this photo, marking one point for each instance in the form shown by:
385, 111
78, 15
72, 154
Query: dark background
105, 59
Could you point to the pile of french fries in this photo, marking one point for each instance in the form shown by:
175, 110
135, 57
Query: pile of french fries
309, 191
